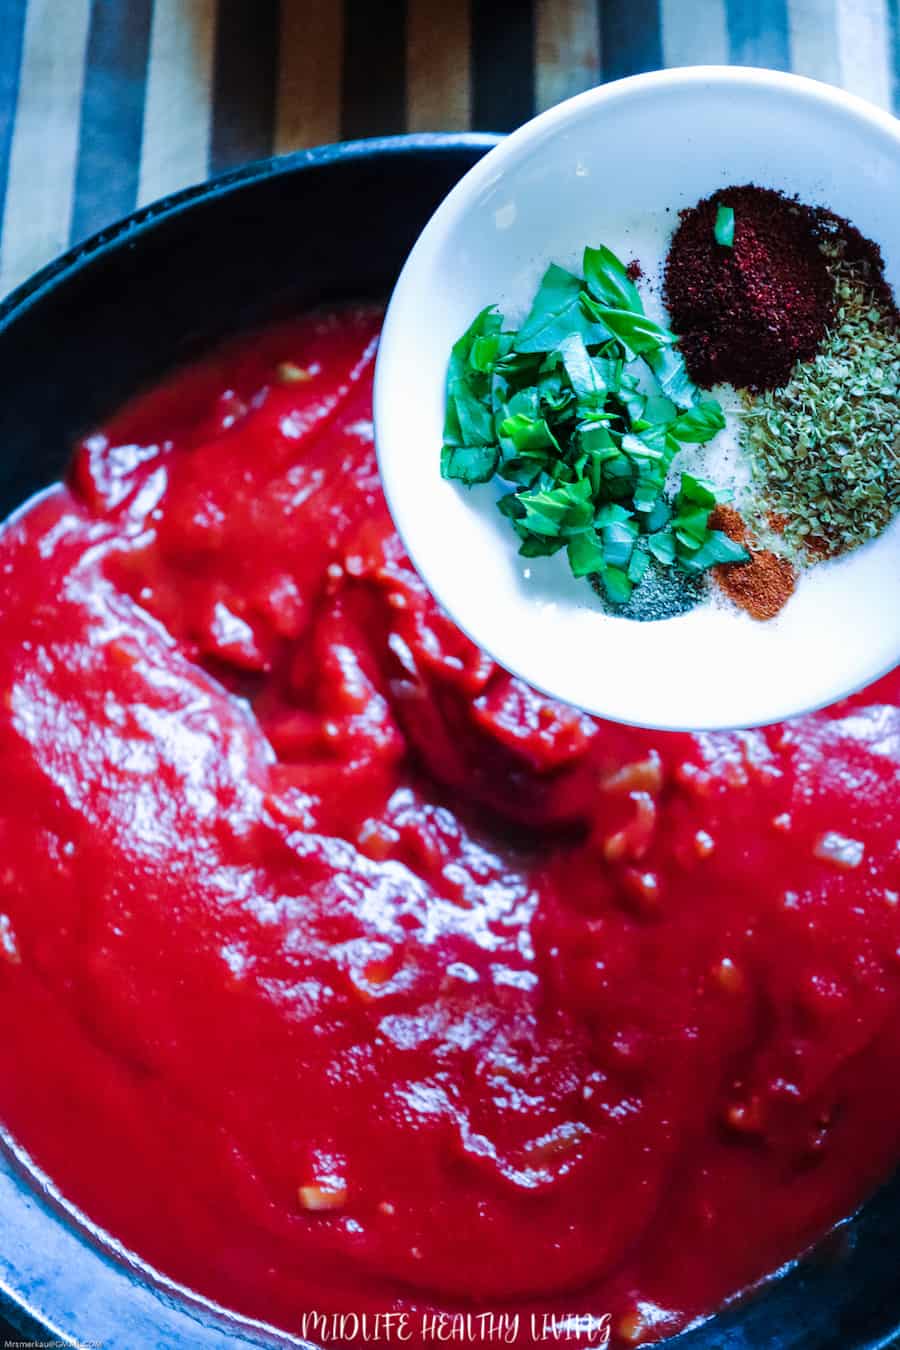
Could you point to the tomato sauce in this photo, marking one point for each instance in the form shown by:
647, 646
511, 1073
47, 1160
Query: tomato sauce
339, 970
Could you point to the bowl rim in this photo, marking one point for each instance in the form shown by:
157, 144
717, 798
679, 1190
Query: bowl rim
508, 155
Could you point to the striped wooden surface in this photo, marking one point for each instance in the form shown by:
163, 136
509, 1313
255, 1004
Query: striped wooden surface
107, 104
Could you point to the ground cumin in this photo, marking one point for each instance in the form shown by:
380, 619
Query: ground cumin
761, 586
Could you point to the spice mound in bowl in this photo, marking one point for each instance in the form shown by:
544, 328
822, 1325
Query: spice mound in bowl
748, 310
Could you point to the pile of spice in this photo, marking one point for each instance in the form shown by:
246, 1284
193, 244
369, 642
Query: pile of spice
748, 287
763, 585
825, 448
664, 593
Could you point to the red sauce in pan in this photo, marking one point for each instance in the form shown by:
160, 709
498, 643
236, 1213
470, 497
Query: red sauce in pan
341, 971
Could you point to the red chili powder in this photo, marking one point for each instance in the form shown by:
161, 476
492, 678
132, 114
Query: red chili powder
634, 271
747, 314
761, 586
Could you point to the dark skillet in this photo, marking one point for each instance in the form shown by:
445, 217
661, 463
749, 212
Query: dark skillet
74, 342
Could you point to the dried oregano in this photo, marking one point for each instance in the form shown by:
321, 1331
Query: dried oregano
825, 448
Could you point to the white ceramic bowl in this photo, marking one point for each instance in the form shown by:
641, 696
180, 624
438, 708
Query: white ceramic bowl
614, 166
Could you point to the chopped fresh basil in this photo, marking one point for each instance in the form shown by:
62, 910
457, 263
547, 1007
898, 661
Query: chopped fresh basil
469, 463
636, 332
558, 411
700, 423
690, 525
488, 349
556, 313
662, 546
608, 280
658, 516
724, 227
659, 410
611, 514
638, 566
528, 433
618, 543
648, 444
473, 417
697, 490
717, 548
617, 585
586, 376
585, 554
532, 547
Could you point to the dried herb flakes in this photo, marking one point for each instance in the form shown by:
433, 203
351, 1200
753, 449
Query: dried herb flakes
825, 448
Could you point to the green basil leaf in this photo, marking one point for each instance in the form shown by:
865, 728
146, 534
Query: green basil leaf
648, 487
556, 314
474, 418
697, 490
488, 322
690, 525
619, 350
611, 513
531, 547
608, 280
545, 512
519, 368
488, 349
618, 466
555, 411
525, 470
580, 518
700, 423
718, 548
618, 543
597, 442
649, 445
593, 470
585, 554
585, 376
618, 480
724, 226
659, 410
725, 550
469, 463
667, 364
562, 510
638, 566
657, 517
633, 401
636, 332
525, 402
555, 395
662, 546
611, 371
511, 507
452, 430
522, 402
617, 586
528, 433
